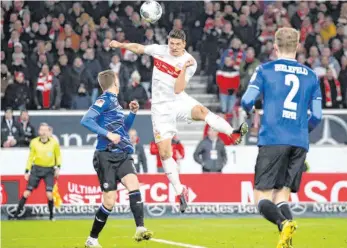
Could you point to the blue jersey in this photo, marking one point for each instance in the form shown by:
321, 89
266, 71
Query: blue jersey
289, 89
106, 115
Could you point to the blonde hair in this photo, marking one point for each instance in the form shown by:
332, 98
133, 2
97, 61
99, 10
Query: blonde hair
107, 79
287, 40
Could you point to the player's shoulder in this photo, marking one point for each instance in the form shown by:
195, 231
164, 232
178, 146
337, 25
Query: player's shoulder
102, 100
34, 140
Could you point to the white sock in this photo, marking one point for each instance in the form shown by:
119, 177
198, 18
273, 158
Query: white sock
218, 123
170, 168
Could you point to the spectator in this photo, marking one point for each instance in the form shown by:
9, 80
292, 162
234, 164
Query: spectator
333, 91
18, 94
6, 80
115, 64
82, 100
343, 77
9, 130
48, 91
27, 130
328, 30
139, 156
105, 54
313, 59
69, 33
178, 152
136, 91
93, 66
247, 68
210, 153
43, 33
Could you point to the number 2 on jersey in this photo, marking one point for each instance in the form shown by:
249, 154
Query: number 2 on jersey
291, 79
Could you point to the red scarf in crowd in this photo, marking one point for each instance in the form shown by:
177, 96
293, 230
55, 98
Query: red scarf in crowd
44, 84
328, 98
238, 59
304, 32
52, 32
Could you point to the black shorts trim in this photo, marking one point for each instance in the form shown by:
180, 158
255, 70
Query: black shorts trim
111, 168
278, 167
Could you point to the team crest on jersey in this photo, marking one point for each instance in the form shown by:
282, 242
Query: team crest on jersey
157, 135
99, 103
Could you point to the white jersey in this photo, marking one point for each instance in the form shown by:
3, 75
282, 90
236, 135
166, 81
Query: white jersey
165, 72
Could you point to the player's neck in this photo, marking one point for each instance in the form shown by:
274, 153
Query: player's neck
112, 91
179, 55
286, 56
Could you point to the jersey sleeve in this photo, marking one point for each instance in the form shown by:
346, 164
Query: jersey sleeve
316, 94
31, 156
152, 49
57, 154
190, 71
100, 105
257, 79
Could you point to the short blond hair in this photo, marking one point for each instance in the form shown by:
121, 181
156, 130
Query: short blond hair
287, 40
107, 79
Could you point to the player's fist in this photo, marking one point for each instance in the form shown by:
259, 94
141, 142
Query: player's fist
115, 138
26, 176
115, 44
189, 62
56, 172
134, 106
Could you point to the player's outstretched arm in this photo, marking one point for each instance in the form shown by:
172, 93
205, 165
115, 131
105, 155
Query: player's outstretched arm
316, 115
89, 121
133, 47
31, 157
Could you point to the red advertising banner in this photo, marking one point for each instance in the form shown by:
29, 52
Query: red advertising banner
203, 188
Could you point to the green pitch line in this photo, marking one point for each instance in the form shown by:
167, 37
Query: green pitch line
210, 233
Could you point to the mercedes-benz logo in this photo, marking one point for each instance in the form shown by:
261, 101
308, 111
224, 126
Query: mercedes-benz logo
298, 208
326, 135
11, 210
156, 210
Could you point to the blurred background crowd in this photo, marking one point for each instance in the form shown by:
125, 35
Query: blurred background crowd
52, 51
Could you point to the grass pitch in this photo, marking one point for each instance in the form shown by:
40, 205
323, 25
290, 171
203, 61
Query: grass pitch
209, 233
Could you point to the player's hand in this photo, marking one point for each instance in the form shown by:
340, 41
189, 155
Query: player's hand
26, 176
56, 172
134, 106
188, 63
115, 44
115, 138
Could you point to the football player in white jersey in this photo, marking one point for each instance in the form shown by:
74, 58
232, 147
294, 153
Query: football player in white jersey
173, 68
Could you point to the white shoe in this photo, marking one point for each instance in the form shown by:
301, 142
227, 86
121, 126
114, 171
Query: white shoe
92, 243
142, 234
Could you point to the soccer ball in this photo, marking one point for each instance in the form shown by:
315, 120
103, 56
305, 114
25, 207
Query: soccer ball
151, 11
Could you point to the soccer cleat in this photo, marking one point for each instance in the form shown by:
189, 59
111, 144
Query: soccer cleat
92, 243
288, 229
142, 234
52, 219
183, 199
237, 135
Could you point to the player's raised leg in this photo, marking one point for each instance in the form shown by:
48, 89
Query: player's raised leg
170, 168
201, 113
136, 205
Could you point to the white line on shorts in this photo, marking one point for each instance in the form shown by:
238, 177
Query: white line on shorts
163, 241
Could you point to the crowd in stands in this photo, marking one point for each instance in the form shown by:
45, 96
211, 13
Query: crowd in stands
52, 51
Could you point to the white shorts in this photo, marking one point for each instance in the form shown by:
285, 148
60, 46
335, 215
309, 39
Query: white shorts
166, 114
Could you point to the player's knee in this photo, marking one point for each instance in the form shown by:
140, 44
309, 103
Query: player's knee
199, 113
27, 193
109, 199
49, 195
164, 154
131, 182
